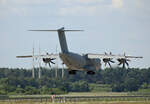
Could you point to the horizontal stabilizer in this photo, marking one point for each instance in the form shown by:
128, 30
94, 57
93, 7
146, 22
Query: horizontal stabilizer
58, 30
39, 56
42, 30
24, 56
61, 29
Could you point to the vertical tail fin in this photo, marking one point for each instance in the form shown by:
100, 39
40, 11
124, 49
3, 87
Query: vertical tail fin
62, 40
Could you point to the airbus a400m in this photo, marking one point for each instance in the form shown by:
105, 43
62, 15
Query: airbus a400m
86, 62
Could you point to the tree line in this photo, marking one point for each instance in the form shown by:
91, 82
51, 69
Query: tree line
20, 81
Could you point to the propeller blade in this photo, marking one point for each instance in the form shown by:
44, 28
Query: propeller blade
53, 58
128, 60
123, 65
112, 61
49, 65
109, 64
119, 63
52, 62
127, 63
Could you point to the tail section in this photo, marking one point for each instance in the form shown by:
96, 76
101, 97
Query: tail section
62, 37
62, 40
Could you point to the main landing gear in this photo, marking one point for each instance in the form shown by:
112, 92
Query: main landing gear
90, 72
73, 72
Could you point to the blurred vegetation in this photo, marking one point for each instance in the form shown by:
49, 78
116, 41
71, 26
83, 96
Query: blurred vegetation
100, 87
20, 81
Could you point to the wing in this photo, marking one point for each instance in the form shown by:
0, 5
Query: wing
102, 56
40, 56
133, 56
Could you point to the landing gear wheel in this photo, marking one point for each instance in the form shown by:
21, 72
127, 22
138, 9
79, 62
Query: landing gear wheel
91, 72
73, 72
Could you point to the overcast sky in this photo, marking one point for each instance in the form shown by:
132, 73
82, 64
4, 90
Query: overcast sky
109, 25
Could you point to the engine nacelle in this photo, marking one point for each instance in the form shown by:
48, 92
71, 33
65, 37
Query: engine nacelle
96, 63
46, 60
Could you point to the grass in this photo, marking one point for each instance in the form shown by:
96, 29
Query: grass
77, 94
97, 94
95, 102
138, 100
99, 87
144, 90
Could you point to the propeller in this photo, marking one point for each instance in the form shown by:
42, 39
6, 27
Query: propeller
108, 60
48, 60
124, 62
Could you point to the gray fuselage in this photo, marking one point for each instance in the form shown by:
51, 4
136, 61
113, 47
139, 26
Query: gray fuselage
75, 61
78, 62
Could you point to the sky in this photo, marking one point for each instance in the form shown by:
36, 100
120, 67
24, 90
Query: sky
115, 26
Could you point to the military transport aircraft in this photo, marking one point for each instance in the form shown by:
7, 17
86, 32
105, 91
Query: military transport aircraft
86, 62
